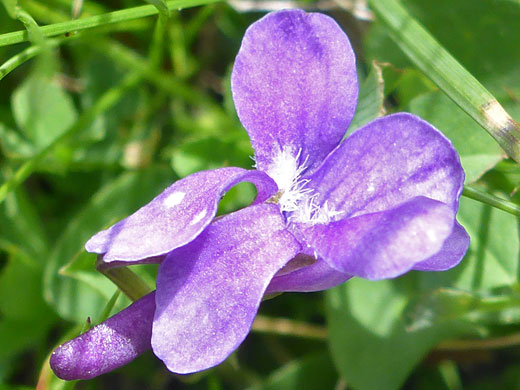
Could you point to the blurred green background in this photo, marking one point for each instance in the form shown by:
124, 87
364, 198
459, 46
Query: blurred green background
105, 118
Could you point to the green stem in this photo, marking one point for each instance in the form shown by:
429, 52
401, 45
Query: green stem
287, 327
492, 200
127, 281
25, 55
476, 344
449, 75
100, 20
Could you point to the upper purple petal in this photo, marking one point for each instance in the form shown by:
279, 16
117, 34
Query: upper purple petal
386, 163
294, 85
451, 253
208, 291
384, 244
107, 346
175, 217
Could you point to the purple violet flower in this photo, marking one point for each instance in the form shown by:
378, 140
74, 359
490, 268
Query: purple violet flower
377, 205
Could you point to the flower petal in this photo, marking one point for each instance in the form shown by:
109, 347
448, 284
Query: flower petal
295, 85
175, 217
314, 277
384, 244
386, 163
450, 255
107, 346
208, 291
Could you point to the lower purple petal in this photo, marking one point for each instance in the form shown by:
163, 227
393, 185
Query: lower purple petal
175, 217
208, 292
384, 244
314, 277
450, 255
107, 346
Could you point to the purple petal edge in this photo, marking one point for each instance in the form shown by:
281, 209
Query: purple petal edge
208, 292
386, 163
175, 217
451, 253
107, 346
384, 244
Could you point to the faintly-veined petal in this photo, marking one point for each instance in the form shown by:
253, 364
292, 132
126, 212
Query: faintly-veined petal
384, 244
175, 217
313, 277
386, 163
107, 346
208, 291
450, 255
294, 86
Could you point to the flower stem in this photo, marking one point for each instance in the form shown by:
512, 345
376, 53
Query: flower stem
492, 343
99, 20
127, 281
449, 75
287, 327
492, 200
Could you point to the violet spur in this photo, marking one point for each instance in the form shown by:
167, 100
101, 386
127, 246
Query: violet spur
376, 205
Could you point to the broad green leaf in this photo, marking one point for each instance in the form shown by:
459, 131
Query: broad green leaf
19, 335
370, 343
446, 304
13, 145
478, 33
21, 228
101, 74
42, 110
312, 372
371, 97
478, 152
21, 292
209, 153
74, 298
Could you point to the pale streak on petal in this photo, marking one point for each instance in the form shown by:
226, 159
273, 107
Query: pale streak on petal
174, 199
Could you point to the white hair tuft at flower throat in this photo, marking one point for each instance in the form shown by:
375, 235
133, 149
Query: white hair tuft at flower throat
293, 197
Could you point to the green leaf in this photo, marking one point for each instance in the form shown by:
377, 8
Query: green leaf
21, 228
312, 372
18, 335
209, 153
446, 304
370, 343
74, 298
478, 152
444, 70
42, 110
21, 292
13, 144
371, 97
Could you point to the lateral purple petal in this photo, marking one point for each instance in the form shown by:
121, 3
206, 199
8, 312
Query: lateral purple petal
386, 163
314, 277
384, 244
107, 346
208, 291
450, 255
294, 85
175, 217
